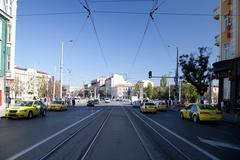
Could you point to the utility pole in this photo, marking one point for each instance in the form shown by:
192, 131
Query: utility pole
176, 79
210, 90
180, 90
61, 71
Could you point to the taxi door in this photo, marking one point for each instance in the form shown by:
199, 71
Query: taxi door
37, 106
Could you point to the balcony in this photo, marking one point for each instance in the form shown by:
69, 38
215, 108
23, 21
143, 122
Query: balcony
217, 40
216, 13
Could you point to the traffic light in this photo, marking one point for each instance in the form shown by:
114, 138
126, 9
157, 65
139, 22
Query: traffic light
150, 74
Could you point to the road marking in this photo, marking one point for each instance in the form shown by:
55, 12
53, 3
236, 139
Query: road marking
138, 134
50, 137
209, 155
90, 146
171, 144
219, 144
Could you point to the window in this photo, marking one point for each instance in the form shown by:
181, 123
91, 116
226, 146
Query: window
8, 63
226, 51
1, 30
9, 32
194, 108
226, 89
225, 23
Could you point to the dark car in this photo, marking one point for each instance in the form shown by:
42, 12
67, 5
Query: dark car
96, 101
90, 103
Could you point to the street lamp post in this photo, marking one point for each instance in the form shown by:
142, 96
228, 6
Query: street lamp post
176, 75
61, 71
61, 68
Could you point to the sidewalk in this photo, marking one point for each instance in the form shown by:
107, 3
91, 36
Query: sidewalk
231, 118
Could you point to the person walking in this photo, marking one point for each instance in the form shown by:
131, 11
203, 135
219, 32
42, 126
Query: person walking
73, 101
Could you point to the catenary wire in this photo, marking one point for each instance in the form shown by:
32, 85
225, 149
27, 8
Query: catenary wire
117, 1
118, 12
96, 34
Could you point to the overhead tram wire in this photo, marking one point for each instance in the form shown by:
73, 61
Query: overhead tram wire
118, 12
79, 32
117, 1
142, 39
96, 33
157, 29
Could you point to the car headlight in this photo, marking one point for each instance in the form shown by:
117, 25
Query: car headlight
22, 111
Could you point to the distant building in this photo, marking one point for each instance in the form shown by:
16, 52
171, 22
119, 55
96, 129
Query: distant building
29, 82
116, 86
145, 83
227, 69
8, 12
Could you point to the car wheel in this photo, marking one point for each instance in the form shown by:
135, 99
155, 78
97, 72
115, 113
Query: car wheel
30, 115
181, 115
195, 119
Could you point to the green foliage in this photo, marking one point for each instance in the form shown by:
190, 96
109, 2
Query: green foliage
196, 70
163, 81
189, 92
149, 91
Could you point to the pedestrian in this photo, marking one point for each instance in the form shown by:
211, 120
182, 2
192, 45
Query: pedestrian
222, 105
202, 100
73, 101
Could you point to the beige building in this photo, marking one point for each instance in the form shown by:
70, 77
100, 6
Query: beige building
29, 83
227, 69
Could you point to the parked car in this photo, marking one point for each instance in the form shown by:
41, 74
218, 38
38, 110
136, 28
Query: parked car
161, 106
201, 112
137, 104
26, 109
90, 103
148, 107
57, 106
107, 100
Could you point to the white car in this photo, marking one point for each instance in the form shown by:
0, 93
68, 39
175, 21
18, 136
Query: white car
107, 100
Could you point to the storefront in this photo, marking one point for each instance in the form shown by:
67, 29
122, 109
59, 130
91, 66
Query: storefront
228, 74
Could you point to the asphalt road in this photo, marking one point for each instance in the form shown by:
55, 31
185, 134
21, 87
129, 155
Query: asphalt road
116, 131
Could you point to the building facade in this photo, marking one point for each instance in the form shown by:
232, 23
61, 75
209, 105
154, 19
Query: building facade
8, 10
227, 69
29, 83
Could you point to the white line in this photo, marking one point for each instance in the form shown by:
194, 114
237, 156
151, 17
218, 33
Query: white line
184, 155
209, 155
90, 146
50, 137
138, 134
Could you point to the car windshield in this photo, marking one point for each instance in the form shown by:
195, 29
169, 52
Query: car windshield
57, 102
209, 107
24, 103
149, 104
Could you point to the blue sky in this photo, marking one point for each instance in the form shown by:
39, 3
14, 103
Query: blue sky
38, 38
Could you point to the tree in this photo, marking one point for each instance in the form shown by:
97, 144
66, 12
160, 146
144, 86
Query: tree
163, 81
136, 89
17, 87
196, 70
189, 92
149, 91
42, 90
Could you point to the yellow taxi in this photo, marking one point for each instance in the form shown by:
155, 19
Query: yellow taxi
201, 112
26, 109
162, 106
57, 106
148, 107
